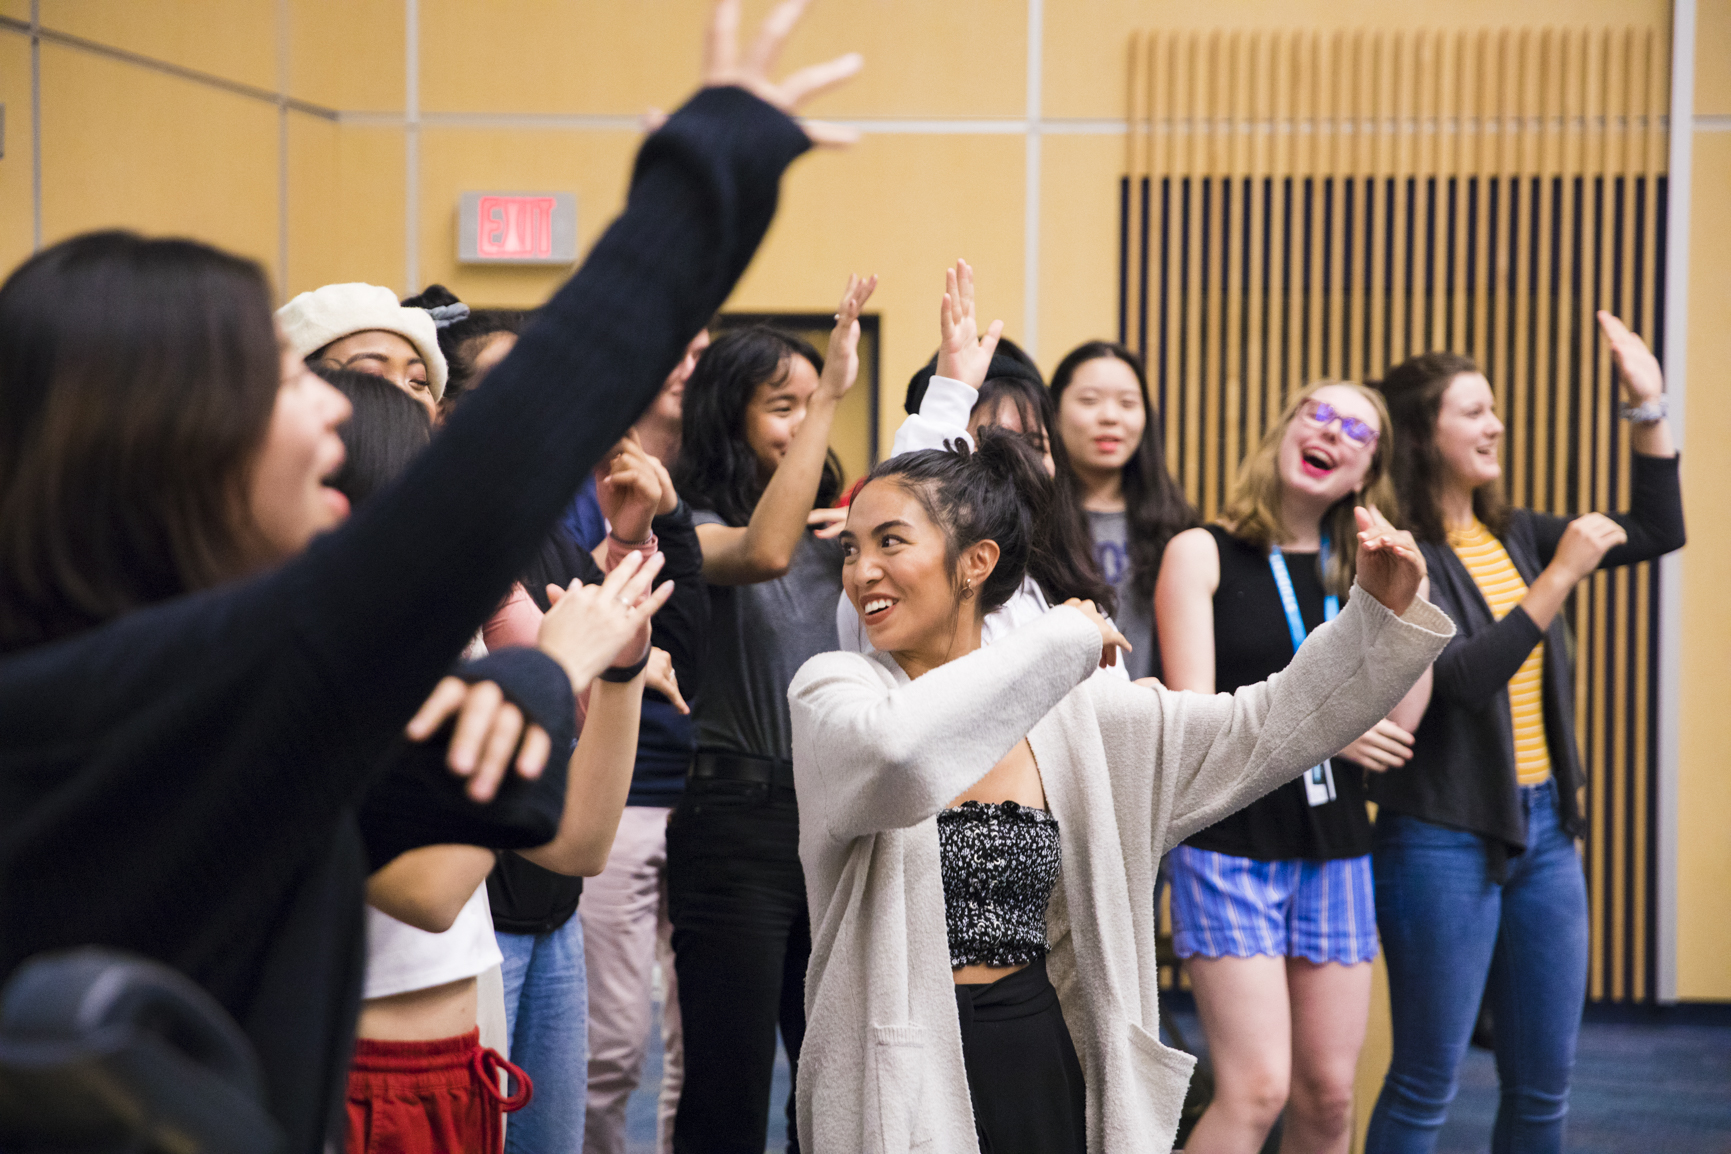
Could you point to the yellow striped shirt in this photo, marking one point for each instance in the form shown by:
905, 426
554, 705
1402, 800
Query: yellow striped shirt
1502, 587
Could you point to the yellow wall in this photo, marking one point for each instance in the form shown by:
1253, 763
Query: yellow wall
1704, 812
538, 94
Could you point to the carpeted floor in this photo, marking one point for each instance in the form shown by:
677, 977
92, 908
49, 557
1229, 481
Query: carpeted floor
1650, 1083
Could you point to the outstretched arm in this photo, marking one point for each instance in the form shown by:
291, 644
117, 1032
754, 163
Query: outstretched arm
763, 549
1213, 755
868, 758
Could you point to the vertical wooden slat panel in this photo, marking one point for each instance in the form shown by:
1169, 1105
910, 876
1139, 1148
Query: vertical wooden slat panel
1326, 202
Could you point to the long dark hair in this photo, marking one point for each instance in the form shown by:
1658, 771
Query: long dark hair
460, 339
137, 382
997, 492
387, 430
1414, 391
717, 469
1066, 569
1155, 506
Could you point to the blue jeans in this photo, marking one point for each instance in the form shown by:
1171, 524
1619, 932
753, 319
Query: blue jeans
546, 1016
1451, 934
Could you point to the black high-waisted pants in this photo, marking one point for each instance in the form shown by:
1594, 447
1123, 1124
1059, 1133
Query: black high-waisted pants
1023, 1074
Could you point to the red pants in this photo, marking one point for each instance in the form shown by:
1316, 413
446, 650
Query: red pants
437, 1097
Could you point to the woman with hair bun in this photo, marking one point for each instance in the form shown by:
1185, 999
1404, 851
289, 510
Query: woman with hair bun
982, 380
980, 828
1479, 891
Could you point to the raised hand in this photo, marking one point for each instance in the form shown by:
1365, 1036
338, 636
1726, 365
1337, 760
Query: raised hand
1110, 639
590, 625
723, 66
628, 489
1390, 566
487, 733
1386, 746
1637, 367
963, 354
841, 362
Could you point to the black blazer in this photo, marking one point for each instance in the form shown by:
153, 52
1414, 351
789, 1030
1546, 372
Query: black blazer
1462, 772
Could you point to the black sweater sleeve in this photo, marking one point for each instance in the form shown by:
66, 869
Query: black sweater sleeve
1474, 668
388, 601
1471, 670
1654, 520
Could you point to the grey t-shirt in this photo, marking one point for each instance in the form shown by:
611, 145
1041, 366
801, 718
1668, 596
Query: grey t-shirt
759, 637
1135, 617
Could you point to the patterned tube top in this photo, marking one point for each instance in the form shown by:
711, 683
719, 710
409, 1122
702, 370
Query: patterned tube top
1000, 864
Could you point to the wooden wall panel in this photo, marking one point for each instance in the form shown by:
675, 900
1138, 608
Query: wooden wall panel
1302, 205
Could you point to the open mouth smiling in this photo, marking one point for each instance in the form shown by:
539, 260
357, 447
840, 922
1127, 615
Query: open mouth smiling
874, 607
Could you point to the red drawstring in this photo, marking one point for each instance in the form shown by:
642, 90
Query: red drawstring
487, 1064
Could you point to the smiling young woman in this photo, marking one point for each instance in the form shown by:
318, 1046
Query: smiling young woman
1111, 434
1272, 906
755, 465
184, 738
1479, 890
980, 827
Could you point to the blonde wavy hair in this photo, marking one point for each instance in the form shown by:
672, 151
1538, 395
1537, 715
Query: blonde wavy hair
1252, 513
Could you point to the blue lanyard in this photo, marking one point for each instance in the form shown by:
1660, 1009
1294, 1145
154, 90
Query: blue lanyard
1289, 600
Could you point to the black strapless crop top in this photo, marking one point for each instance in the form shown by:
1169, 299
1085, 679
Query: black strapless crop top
1000, 864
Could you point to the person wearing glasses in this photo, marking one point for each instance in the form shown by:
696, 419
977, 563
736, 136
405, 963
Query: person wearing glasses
1271, 906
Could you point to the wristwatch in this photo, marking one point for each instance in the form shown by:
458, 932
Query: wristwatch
1649, 413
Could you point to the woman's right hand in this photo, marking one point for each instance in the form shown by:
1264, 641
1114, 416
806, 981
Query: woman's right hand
589, 625
722, 66
963, 354
1110, 639
841, 362
1585, 542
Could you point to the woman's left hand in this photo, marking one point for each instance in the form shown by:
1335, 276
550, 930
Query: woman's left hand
1390, 566
1111, 641
488, 731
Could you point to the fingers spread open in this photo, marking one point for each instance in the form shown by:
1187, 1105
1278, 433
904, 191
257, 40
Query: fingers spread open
772, 36
440, 704
496, 753
532, 756
814, 79
721, 42
482, 702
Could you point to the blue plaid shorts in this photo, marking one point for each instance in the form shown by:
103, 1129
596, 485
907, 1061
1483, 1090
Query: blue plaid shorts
1238, 907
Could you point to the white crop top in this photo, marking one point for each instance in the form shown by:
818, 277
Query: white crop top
401, 958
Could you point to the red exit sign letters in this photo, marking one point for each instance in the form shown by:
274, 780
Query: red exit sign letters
517, 228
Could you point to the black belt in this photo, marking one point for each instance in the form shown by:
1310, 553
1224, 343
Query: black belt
717, 765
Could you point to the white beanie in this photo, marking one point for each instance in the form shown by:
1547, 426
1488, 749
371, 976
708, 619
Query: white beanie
315, 319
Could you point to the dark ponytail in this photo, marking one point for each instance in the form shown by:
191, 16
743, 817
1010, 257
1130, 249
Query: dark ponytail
996, 492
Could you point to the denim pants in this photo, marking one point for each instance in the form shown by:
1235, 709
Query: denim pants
741, 940
1451, 934
546, 1015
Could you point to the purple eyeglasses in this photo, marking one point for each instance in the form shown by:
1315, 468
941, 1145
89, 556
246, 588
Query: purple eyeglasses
1322, 413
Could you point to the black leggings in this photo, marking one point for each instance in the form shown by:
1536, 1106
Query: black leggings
1023, 1075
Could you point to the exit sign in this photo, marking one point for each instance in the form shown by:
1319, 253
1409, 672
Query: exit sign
517, 228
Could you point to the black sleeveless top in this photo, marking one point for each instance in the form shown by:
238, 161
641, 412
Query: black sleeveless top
1251, 642
1000, 864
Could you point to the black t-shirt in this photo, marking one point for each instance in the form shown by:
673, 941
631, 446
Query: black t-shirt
1252, 641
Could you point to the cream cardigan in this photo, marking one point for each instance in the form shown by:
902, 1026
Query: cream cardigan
1128, 772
